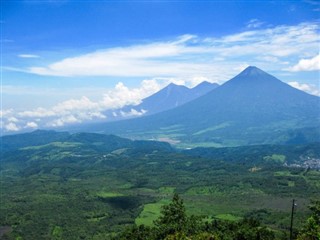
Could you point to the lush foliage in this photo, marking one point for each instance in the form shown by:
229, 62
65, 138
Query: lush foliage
174, 224
311, 229
91, 186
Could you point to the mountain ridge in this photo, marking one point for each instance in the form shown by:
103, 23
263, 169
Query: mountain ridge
254, 107
107, 142
169, 97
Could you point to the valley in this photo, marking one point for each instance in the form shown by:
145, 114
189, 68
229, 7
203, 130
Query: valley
93, 186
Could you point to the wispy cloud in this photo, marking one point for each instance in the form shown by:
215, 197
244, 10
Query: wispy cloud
155, 59
254, 23
28, 56
191, 56
315, 3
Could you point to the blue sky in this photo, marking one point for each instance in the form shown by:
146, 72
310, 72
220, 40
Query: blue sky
67, 62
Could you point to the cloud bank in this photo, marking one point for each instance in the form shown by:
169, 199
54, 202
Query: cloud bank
83, 109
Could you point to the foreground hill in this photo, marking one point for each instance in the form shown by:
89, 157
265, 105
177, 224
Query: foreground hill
167, 98
252, 108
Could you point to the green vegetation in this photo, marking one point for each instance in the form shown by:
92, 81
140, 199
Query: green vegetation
95, 186
276, 157
311, 229
217, 127
54, 144
109, 194
174, 223
150, 213
228, 217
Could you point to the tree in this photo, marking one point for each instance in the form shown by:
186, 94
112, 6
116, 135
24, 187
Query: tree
311, 229
137, 233
174, 224
173, 218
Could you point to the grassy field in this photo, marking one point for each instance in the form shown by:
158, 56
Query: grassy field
150, 212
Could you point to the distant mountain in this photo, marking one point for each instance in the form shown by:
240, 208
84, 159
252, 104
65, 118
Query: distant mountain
252, 108
35, 138
167, 98
101, 142
202, 89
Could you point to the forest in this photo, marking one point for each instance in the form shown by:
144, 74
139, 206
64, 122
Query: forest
103, 187
174, 224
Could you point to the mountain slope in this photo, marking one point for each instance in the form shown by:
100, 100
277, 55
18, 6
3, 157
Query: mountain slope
35, 138
252, 108
167, 98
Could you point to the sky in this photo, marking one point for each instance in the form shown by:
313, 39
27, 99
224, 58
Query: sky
67, 62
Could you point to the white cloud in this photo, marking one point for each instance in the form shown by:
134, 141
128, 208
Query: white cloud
133, 113
5, 113
37, 113
13, 119
11, 127
64, 120
28, 56
306, 87
241, 67
83, 109
311, 64
83, 103
137, 60
121, 95
31, 125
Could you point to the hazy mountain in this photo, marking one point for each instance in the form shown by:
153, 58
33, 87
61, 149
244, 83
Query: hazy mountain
167, 98
35, 138
202, 89
94, 141
252, 108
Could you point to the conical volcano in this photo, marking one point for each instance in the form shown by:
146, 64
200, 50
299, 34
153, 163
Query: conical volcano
254, 107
